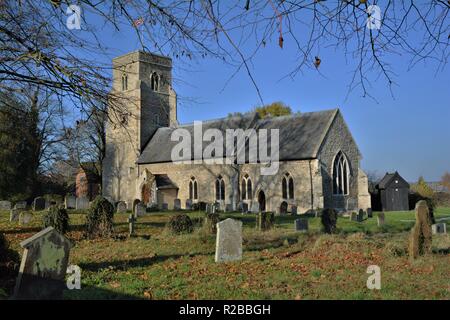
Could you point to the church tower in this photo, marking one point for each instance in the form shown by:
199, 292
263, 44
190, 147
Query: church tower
142, 100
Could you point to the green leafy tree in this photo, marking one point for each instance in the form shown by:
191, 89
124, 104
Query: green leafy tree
422, 188
275, 109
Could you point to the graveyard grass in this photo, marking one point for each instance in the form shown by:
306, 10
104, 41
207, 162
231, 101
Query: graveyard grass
276, 264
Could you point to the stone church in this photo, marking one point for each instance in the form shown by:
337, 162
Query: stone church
319, 161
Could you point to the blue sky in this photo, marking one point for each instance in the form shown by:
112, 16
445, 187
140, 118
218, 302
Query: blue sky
408, 131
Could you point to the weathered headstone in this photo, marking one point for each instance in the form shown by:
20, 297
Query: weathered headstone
70, 202
293, 210
176, 204
139, 210
210, 208
25, 217
14, 215
229, 241
43, 267
301, 224
39, 204
82, 203
121, 207
255, 207
421, 234
360, 215
5, 205
188, 204
243, 207
369, 213
131, 221
21, 205
265, 220
380, 219
165, 206
439, 228
353, 216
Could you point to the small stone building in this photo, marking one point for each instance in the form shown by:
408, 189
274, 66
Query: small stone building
392, 193
319, 161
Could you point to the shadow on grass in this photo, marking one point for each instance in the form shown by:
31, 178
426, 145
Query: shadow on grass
22, 230
96, 293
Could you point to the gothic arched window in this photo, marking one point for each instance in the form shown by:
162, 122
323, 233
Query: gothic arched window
287, 186
193, 189
154, 81
124, 82
246, 188
220, 188
340, 174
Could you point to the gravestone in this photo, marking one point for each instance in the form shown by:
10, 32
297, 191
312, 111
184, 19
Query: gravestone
14, 215
283, 207
301, 224
21, 205
139, 210
131, 221
439, 228
70, 202
380, 219
5, 205
229, 207
25, 217
294, 210
43, 267
135, 203
369, 213
188, 204
353, 216
121, 207
229, 241
360, 215
176, 204
39, 204
82, 203
255, 207
244, 207
165, 206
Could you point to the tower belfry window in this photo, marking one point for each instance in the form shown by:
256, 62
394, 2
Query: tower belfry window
124, 82
155, 81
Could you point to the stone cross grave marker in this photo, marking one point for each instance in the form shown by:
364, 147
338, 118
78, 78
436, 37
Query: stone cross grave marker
121, 207
82, 203
301, 224
380, 219
14, 215
43, 267
25, 217
439, 228
39, 204
5, 205
229, 241
131, 221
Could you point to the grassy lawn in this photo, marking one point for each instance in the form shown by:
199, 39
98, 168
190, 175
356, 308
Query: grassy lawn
277, 264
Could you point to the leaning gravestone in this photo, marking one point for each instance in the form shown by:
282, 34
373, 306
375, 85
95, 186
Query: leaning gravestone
82, 203
14, 215
229, 241
43, 267
70, 202
21, 205
39, 204
25, 217
5, 205
439, 228
301, 224
176, 204
188, 204
121, 207
380, 219
139, 210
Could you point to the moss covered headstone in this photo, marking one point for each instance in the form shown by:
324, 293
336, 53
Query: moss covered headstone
421, 235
